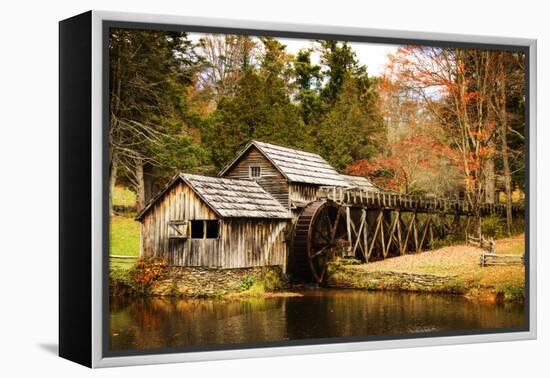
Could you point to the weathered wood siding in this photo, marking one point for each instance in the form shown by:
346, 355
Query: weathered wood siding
272, 180
179, 203
241, 243
303, 192
254, 243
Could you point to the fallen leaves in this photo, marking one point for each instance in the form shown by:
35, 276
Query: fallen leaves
461, 260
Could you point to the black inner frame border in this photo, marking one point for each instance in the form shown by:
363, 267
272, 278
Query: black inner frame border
107, 25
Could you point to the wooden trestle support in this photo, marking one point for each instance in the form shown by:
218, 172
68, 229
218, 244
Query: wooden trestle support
383, 233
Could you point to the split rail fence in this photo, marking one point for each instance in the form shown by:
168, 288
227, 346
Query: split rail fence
491, 257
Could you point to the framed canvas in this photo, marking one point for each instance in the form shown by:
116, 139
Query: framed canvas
232, 189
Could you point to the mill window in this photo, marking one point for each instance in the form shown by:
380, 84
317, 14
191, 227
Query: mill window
255, 171
197, 229
212, 229
205, 229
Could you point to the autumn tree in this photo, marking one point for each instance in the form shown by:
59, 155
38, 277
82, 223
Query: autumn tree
463, 90
416, 158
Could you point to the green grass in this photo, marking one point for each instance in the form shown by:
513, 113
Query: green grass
256, 290
122, 196
125, 235
125, 231
122, 264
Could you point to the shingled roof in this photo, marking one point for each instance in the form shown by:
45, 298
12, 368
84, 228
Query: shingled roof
228, 197
296, 165
360, 182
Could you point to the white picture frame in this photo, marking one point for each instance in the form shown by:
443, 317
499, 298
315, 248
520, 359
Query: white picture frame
100, 20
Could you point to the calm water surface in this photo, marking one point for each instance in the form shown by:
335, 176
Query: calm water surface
160, 323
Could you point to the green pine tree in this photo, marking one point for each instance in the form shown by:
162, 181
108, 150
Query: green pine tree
308, 81
351, 130
260, 109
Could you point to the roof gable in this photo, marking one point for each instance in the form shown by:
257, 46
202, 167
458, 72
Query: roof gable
296, 165
227, 197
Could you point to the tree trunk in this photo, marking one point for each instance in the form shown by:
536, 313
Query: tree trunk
140, 184
507, 182
113, 168
489, 180
148, 177
503, 131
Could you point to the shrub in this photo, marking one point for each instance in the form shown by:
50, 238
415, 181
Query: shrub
146, 272
271, 280
493, 226
257, 289
120, 282
247, 283
446, 242
511, 293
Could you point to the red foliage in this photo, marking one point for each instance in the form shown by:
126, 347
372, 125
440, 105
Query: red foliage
451, 85
410, 157
147, 271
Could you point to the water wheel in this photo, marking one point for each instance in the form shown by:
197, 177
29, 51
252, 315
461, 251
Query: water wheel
319, 236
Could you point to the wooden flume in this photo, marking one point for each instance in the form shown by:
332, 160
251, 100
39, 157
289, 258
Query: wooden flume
369, 225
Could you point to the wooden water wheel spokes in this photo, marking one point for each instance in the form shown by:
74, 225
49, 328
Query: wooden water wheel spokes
321, 234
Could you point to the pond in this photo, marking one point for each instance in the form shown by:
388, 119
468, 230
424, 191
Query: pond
319, 313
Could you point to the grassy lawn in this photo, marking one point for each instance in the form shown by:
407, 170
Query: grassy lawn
125, 235
125, 231
122, 196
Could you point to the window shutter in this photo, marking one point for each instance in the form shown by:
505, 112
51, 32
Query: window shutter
178, 229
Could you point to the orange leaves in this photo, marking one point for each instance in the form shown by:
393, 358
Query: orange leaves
411, 156
475, 134
377, 171
469, 183
421, 70
455, 87
485, 151
470, 96
364, 168
448, 88
148, 271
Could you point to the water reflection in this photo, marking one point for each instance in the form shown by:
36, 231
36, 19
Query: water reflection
157, 323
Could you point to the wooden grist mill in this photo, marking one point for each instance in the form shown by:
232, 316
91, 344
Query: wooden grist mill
278, 206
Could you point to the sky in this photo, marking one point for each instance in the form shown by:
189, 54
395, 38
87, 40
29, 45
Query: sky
374, 56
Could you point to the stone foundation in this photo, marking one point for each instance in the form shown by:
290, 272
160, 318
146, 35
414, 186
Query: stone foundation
211, 282
341, 276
